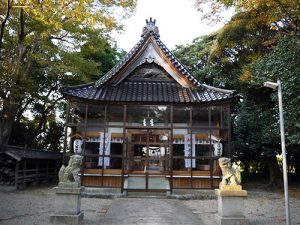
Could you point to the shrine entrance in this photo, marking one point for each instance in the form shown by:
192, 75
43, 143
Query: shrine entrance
147, 159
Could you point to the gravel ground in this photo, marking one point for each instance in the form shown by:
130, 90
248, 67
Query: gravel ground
261, 208
34, 206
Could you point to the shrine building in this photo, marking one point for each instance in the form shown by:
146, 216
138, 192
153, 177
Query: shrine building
149, 124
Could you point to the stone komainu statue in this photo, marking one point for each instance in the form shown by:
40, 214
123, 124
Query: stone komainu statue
231, 176
69, 174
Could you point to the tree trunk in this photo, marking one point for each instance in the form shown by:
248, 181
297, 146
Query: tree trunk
8, 114
12, 101
246, 167
275, 174
3, 24
297, 166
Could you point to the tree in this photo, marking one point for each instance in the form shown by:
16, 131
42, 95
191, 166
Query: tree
196, 57
95, 58
260, 43
256, 134
34, 44
280, 15
45, 104
283, 64
237, 57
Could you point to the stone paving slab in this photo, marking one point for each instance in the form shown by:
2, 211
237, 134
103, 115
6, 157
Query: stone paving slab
149, 212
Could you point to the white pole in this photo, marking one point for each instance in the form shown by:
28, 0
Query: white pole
285, 177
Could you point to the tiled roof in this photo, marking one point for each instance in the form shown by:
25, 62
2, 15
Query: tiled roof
151, 91
148, 92
120, 64
147, 32
176, 62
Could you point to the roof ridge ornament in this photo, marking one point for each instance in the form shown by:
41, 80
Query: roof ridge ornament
149, 59
150, 28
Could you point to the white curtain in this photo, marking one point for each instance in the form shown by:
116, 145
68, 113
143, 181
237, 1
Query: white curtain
107, 149
189, 148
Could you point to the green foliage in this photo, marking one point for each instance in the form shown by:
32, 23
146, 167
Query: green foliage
283, 64
260, 43
23, 134
53, 139
95, 58
45, 45
278, 15
255, 128
196, 57
240, 43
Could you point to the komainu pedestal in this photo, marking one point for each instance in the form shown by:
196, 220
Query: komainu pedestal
231, 209
67, 206
68, 194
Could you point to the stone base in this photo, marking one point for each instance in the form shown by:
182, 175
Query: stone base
238, 220
231, 209
230, 192
223, 187
66, 219
68, 200
67, 206
68, 185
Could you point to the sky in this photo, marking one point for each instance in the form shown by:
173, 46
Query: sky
178, 22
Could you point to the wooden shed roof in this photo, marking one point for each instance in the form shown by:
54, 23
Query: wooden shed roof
19, 153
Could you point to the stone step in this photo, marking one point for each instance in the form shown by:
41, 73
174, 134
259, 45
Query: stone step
138, 183
147, 194
180, 194
105, 193
136, 187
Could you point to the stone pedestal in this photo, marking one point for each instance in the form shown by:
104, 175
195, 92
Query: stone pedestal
67, 205
231, 210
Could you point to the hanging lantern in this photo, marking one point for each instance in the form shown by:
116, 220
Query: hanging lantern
218, 148
77, 146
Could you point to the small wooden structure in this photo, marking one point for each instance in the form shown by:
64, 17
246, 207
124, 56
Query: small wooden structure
149, 118
22, 166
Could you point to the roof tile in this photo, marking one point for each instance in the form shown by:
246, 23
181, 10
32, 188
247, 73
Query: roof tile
132, 91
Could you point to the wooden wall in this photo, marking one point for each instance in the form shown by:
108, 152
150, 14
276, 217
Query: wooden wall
112, 178
198, 183
29, 171
94, 178
91, 181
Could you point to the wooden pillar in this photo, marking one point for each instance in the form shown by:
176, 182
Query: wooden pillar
36, 170
147, 160
47, 171
171, 152
55, 174
24, 173
66, 134
16, 174
191, 148
123, 147
229, 130
84, 142
210, 150
104, 147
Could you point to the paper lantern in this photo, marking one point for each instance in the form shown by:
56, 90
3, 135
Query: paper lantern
218, 148
77, 146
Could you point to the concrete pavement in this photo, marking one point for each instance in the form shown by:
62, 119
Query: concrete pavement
148, 211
